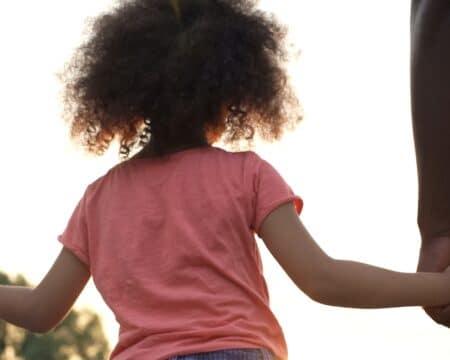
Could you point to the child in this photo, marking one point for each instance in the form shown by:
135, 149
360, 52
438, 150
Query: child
168, 234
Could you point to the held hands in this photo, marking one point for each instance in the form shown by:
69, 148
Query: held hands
435, 257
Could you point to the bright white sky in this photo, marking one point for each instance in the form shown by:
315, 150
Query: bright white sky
351, 160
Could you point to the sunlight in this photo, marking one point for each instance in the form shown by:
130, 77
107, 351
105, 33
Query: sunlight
351, 160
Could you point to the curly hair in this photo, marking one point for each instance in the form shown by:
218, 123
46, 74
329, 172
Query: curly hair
157, 74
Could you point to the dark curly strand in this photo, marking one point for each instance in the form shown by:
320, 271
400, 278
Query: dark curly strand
160, 74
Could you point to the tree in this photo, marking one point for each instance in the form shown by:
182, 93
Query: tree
79, 336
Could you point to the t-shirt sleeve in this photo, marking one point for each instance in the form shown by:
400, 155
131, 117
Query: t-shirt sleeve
270, 191
75, 235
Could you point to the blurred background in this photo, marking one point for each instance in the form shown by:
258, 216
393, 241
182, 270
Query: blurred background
351, 160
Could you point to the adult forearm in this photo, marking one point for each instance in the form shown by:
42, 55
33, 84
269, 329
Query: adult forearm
357, 285
16, 306
430, 89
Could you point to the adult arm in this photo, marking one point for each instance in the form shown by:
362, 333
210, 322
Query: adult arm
430, 98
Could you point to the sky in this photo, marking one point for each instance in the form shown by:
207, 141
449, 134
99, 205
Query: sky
351, 160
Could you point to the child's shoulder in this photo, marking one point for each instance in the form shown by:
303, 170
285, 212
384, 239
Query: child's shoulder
248, 158
95, 186
246, 154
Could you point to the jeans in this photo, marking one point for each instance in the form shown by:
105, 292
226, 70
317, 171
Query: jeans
229, 354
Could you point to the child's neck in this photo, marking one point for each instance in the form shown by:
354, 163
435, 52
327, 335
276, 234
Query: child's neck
148, 151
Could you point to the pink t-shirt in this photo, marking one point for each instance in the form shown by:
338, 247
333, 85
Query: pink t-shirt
171, 247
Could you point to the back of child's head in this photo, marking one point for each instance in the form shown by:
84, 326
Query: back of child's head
179, 72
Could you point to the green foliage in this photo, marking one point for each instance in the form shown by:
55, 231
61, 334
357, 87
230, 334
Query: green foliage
78, 336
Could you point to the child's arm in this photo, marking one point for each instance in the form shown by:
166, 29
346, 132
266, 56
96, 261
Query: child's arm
15, 304
345, 283
354, 284
41, 309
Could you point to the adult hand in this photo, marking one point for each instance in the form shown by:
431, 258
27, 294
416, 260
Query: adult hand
430, 94
435, 257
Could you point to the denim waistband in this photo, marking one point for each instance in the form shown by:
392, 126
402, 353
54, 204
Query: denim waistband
229, 354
